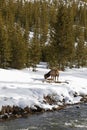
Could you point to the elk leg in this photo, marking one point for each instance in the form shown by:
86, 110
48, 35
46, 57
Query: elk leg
57, 78
52, 77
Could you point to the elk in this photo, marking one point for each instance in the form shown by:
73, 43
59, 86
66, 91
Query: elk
54, 73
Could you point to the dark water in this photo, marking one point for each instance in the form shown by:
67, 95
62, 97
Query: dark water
71, 118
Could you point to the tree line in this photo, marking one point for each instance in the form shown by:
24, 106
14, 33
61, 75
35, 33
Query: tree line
59, 33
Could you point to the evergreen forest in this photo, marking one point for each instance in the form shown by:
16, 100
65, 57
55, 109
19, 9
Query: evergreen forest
43, 30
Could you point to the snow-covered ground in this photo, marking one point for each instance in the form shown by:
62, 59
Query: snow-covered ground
26, 88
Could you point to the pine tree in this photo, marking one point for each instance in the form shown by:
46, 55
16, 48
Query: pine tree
4, 45
85, 22
18, 47
34, 52
44, 26
44, 22
80, 49
62, 37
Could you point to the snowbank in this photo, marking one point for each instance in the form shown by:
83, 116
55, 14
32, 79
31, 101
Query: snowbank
25, 88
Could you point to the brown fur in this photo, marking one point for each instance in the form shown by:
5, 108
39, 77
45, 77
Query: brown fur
54, 73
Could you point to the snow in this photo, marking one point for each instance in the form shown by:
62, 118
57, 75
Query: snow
27, 88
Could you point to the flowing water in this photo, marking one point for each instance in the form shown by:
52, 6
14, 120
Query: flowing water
71, 118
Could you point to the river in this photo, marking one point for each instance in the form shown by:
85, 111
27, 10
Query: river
70, 118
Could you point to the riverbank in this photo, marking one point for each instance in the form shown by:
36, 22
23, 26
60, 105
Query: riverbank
15, 112
70, 118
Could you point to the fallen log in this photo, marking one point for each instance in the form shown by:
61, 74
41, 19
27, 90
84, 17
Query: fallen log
50, 80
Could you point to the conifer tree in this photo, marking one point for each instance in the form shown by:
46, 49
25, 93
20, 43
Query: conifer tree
85, 22
27, 44
62, 36
80, 49
35, 52
18, 48
44, 22
4, 45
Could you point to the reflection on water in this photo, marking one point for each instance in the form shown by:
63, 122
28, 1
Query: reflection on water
71, 118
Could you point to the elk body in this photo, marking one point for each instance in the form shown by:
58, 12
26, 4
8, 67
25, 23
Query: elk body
54, 73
